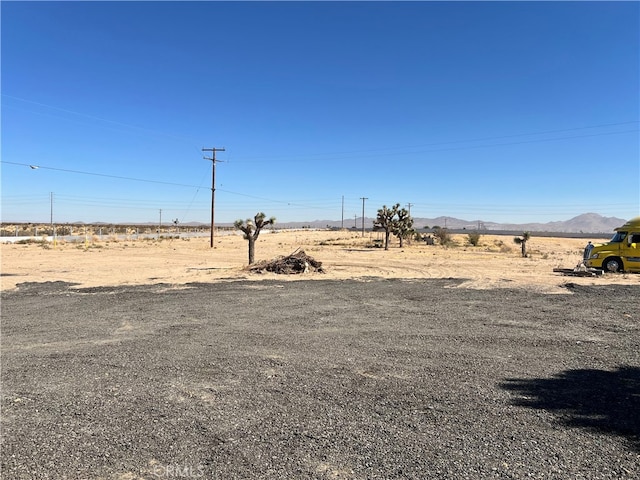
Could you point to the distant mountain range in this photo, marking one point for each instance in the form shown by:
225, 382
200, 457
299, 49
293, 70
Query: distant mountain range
585, 223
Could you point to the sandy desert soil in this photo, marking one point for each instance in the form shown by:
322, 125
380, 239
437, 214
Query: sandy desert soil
495, 263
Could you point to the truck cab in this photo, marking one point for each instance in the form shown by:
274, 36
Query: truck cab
621, 253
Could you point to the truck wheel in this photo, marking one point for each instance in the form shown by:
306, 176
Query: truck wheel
612, 265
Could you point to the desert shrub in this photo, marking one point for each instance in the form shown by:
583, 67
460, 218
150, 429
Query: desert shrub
474, 238
504, 248
28, 241
43, 242
443, 236
329, 242
500, 246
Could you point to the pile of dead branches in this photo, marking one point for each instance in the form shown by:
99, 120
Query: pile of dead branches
297, 262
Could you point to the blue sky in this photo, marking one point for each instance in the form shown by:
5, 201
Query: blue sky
500, 111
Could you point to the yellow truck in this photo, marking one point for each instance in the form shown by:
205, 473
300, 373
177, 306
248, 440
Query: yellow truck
621, 254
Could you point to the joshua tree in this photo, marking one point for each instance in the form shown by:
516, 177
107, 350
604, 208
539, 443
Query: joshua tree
394, 220
522, 241
385, 221
403, 226
252, 229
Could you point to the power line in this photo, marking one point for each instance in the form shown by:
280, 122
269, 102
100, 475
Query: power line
365, 151
355, 153
184, 215
93, 117
320, 204
119, 177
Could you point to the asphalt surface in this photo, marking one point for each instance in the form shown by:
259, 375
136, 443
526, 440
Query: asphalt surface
320, 379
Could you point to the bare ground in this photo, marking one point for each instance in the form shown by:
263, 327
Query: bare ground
496, 262
357, 373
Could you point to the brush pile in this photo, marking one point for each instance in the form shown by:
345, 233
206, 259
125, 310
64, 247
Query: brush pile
297, 262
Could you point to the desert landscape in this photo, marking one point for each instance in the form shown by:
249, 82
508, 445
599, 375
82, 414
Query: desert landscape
110, 260
138, 359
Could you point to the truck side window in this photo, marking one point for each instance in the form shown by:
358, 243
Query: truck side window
618, 237
635, 238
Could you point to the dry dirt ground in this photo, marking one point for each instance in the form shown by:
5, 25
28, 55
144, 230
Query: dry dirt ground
146, 360
496, 262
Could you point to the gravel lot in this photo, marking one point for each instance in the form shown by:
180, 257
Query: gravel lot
320, 379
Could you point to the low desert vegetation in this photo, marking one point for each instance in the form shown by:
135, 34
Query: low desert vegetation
444, 237
30, 241
349, 241
473, 238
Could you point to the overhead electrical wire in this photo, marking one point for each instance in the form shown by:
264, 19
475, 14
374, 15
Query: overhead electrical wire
327, 156
354, 153
119, 177
25, 199
93, 117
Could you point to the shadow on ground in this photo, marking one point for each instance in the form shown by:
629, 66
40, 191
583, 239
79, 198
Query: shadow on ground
602, 400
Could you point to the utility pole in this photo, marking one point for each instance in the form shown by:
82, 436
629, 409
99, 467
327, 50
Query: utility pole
213, 183
160, 223
342, 222
363, 199
51, 204
409, 211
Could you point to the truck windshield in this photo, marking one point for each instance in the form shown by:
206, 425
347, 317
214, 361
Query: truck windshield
618, 237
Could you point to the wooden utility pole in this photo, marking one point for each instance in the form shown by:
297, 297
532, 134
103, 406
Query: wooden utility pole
363, 199
51, 205
213, 184
409, 211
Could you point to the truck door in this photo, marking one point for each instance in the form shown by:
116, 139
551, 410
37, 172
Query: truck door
632, 252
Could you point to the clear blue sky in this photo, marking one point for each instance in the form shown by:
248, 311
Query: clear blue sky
499, 111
